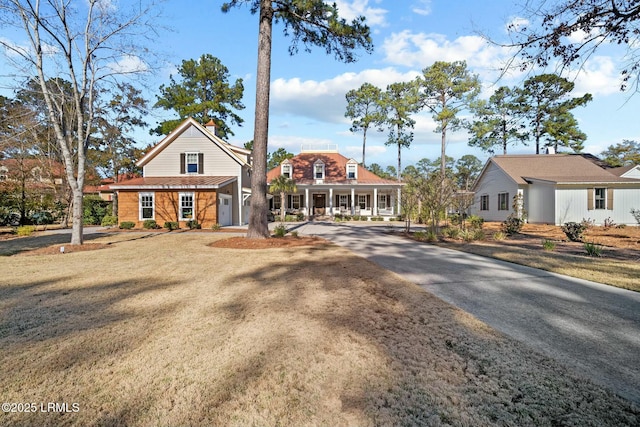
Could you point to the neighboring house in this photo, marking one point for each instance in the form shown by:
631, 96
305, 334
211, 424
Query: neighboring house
557, 188
192, 174
104, 190
329, 184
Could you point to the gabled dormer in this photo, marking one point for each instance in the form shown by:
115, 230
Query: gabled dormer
318, 170
352, 170
286, 169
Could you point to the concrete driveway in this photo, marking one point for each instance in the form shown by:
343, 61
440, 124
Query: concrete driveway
593, 329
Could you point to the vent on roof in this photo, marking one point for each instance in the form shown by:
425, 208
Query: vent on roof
211, 127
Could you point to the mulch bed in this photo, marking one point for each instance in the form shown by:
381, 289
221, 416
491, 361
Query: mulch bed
274, 242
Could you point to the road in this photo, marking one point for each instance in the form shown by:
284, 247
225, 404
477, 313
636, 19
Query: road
593, 329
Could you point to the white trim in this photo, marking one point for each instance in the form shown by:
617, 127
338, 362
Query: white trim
193, 205
186, 162
153, 205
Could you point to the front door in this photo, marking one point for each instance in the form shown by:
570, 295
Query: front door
319, 203
224, 213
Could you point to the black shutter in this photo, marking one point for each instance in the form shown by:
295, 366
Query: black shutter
182, 161
200, 163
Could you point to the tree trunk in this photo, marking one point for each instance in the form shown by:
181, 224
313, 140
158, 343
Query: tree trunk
283, 207
364, 142
77, 237
258, 225
443, 149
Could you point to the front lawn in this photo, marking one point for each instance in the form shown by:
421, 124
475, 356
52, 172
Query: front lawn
164, 329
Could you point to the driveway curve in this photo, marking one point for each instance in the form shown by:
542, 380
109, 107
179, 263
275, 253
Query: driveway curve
591, 328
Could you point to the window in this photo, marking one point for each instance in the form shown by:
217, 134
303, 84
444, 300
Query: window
146, 206
286, 170
276, 202
484, 202
352, 171
503, 201
295, 201
343, 201
600, 198
192, 163
382, 201
186, 206
318, 170
362, 201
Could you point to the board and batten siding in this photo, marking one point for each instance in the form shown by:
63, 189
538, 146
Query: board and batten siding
494, 181
216, 161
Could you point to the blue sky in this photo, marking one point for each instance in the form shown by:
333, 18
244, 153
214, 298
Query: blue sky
308, 89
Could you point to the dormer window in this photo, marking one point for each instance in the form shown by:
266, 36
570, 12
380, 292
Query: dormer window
352, 170
318, 170
191, 163
286, 169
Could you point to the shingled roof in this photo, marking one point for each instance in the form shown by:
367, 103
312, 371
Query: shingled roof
557, 168
335, 167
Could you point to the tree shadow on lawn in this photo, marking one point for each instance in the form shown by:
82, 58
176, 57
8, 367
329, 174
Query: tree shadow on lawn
442, 365
24, 244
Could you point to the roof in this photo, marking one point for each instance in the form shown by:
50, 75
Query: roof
622, 169
231, 150
174, 182
335, 167
557, 168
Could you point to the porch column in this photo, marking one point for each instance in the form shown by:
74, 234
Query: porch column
353, 201
375, 202
331, 201
398, 204
306, 202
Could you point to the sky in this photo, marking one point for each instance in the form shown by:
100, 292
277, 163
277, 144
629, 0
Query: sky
308, 89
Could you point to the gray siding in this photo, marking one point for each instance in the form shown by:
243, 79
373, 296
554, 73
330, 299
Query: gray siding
540, 203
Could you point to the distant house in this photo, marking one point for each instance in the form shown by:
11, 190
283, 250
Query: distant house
557, 188
330, 184
191, 175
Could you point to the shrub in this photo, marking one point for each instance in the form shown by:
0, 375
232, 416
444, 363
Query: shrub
280, 230
499, 235
150, 224
548, 245
109, 221
451, 232
94, 209
216, 227
294, 234
475, 222
512, 225
425, 236
193, 225
593, 249
636, 215
41, 218
456, 219
300, 216
171, 225
127, 225
467, 235
478, 234
574, 230
25, 230
608, 223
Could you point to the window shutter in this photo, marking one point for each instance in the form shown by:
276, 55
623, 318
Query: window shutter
182, 163
200, 163
590, 199
610, 199
337, 204
302, 201
368, 201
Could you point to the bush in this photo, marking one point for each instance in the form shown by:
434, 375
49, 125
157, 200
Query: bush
456, 219
451, 232
499, 235
171, 225
548, 245
467, 235
41, 218
636, 215
291, 218
593, 249
512, 225
478, 234
300, 216
574, 230
25, 230
193, 225
150, 224
608, 223
475, 222
94, 209
216, 227
127, 225
294, 234
280, 230
109, 221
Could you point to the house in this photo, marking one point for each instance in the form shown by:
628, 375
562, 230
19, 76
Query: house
104, 190
191, 175
330, 184
557, 188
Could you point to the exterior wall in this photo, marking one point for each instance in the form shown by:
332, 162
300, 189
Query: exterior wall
167, 207
572, 205
167, 162
633, 173
540, 201
493, 182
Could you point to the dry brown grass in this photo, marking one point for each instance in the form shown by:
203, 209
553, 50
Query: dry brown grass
166, 330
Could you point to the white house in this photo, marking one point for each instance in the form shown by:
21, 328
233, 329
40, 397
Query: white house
557, 188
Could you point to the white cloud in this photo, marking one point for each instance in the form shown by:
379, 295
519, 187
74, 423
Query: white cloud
599, 76
325, 100
128, 64
353, 9
422, 7
355, 151
293, 143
